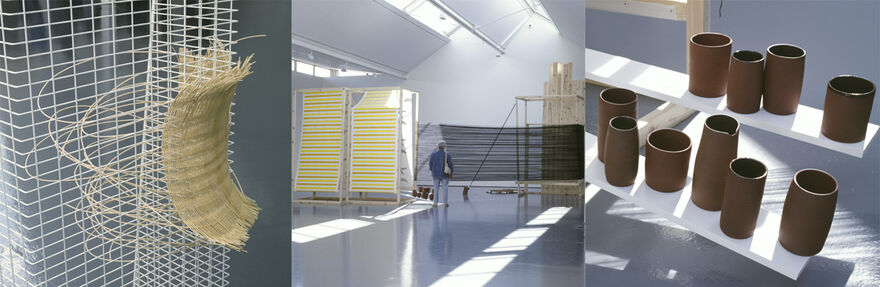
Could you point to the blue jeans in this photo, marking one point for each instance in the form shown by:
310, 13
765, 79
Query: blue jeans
438, 181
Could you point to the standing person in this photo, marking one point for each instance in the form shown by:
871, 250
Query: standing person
440, 159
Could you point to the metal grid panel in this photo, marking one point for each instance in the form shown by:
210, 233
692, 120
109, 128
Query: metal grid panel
42, 242
321, 144
375, 140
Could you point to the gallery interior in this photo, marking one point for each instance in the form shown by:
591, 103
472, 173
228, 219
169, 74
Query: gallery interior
486, 78
439, 143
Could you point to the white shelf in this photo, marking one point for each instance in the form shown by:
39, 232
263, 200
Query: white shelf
763, 247
672, 86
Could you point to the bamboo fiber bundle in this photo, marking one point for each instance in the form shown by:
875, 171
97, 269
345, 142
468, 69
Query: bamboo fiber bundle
153, 171
194, 153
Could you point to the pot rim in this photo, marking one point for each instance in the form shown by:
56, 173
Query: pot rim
635, 126
764, 175
733, 56
602, 98
803, 52
688, 148
729, 40
836, 185
735, 131
873, 87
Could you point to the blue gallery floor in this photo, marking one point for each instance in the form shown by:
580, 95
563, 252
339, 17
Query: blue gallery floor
496, 240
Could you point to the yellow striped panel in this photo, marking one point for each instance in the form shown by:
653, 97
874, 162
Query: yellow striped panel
374, 145
321, 142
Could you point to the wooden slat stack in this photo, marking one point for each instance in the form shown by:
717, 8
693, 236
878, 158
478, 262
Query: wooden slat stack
563, 105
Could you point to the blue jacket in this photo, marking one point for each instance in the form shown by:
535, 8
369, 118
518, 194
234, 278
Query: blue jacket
435, 164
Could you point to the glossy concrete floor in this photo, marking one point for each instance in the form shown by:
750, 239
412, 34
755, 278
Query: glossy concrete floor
629, 246
494, 240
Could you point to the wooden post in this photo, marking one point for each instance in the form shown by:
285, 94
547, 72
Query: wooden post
561, 106
292, 145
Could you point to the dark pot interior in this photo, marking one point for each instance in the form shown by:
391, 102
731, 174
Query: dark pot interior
723, 124
669, 140
623, 123
748, 168
816, 181
787, 51
711, 39
851, 85
748, 56
618, 96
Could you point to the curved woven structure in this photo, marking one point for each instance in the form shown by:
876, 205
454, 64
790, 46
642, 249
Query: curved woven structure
194, 154
155, 175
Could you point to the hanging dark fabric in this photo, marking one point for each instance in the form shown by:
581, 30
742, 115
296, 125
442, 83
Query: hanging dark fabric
506, 154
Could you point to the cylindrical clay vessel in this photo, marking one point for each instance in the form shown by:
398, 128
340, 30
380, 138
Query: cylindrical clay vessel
808, 212
745, 82
718, 146
709, 61
848, 104
743, 191
783, 78
622, 152
667, 156
613, 102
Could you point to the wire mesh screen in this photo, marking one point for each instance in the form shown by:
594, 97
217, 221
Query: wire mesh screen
58, 58
508, 154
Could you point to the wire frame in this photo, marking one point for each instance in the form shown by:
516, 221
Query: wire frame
117, 54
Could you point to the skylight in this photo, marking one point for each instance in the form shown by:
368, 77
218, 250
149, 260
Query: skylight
427, 13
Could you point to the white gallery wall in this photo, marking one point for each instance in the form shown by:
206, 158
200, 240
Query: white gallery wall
464, 83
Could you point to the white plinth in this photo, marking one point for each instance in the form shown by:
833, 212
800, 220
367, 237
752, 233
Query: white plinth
763, 247
672, 86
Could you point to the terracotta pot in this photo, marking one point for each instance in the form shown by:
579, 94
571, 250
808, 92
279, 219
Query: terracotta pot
808, 212
709, 60
622, 160
743, 191
848, 105
783, 78
667, 156
718, 146
745, 82
613, 102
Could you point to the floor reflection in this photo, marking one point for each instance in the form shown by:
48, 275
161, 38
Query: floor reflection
532, 241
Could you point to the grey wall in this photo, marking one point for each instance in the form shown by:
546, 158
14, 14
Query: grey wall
649, 40
840, 37
261, 152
